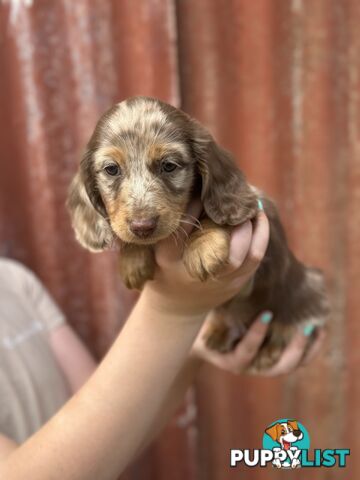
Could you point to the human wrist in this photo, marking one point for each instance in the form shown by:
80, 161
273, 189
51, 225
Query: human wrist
164, 305
196, 361
196, 355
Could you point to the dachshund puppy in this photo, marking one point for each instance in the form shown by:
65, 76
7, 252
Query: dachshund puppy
143, 164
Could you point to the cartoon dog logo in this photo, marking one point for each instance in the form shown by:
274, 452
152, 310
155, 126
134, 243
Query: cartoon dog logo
285, 433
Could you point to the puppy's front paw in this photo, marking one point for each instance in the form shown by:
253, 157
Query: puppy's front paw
136, 265
207, 251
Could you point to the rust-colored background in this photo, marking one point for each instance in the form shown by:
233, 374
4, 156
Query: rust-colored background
278, 83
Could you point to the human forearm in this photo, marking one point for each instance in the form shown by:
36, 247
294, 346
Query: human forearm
173, 399
97, 432
6, 447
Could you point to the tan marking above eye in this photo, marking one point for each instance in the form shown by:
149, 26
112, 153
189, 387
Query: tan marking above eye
156, 152
113, 153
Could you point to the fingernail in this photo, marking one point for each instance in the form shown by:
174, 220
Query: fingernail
308, 330
260, 204
266, 317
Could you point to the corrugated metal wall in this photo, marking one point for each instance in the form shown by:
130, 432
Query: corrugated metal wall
278, 83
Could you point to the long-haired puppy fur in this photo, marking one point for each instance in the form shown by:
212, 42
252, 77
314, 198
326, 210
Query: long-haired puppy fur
142, 165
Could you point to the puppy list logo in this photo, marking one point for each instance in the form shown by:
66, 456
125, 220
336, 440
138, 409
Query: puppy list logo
286, 438
286, 445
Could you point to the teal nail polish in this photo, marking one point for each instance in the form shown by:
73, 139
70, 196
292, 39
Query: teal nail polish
266, 317
260, 204
308, 330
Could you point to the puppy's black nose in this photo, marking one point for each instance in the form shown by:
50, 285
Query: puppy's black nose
143, 227
297, 433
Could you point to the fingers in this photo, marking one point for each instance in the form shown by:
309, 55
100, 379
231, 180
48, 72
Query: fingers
291, 356
246, 350
315, 347
248, 246
242, 356
241, 239
259, 243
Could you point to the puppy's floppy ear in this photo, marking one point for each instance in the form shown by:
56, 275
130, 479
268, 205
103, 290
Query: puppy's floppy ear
87, 210
273, 431
226, 196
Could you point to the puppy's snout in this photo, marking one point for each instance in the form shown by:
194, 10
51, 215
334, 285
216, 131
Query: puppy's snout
143, 227
297, 433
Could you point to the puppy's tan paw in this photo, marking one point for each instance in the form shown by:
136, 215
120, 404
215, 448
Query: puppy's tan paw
136, 266
207, 253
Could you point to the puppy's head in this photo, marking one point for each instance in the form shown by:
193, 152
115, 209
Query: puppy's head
285, 433
140, 170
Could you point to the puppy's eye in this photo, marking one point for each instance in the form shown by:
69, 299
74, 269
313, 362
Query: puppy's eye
168, 166
113, 169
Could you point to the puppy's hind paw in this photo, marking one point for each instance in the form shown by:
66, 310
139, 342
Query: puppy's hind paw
222, 338
267, 357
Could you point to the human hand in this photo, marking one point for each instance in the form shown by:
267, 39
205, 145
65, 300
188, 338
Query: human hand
239, 360
174, 290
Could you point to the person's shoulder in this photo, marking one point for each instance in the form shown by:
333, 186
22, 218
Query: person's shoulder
11, 269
